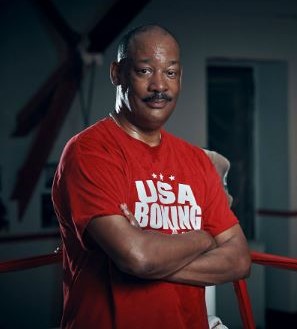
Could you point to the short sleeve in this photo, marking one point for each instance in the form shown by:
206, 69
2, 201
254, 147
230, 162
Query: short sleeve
92, 181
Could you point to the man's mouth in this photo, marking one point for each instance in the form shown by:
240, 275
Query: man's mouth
157, 100
157, 104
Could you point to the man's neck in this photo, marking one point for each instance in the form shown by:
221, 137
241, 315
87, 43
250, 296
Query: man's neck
151, 138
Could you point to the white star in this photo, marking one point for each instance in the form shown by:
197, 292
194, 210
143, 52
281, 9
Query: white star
154, 175
171, 177
161, 176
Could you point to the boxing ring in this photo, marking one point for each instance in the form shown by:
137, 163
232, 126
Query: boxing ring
240, 286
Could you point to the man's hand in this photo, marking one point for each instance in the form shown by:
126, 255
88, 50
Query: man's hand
191, 258
229, 261
146, 253
226, 259
128, 214
132, 220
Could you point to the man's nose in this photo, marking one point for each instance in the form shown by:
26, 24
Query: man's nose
158, 83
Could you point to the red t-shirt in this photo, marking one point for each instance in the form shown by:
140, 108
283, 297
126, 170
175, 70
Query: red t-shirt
172, 188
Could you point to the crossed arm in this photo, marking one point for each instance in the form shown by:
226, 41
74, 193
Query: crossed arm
192, 258
229, 261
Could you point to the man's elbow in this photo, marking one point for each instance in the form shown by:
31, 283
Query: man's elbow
243, 266
138, 264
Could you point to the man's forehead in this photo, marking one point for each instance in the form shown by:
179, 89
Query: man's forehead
147, 47
147, 60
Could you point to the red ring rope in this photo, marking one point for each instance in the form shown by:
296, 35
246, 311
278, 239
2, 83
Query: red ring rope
240, 286
31, 262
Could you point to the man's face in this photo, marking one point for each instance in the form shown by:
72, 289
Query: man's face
150, 80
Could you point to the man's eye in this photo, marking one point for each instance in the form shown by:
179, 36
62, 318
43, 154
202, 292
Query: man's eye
171, 74
143, 71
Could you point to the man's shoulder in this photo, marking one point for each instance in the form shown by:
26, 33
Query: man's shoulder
96, 130
95, 133
90, 139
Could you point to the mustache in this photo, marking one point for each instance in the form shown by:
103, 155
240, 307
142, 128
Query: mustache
157, 96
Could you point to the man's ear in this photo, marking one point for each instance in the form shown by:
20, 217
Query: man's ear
115, 73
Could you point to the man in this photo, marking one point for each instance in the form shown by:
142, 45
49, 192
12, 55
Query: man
144, 219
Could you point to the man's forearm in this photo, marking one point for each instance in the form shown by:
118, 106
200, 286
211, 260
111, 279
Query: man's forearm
228, 262
166, 254
147, 254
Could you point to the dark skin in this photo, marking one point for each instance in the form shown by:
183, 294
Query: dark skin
196, 258
151, 67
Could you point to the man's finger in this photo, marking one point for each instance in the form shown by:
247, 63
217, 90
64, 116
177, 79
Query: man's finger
128, 214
